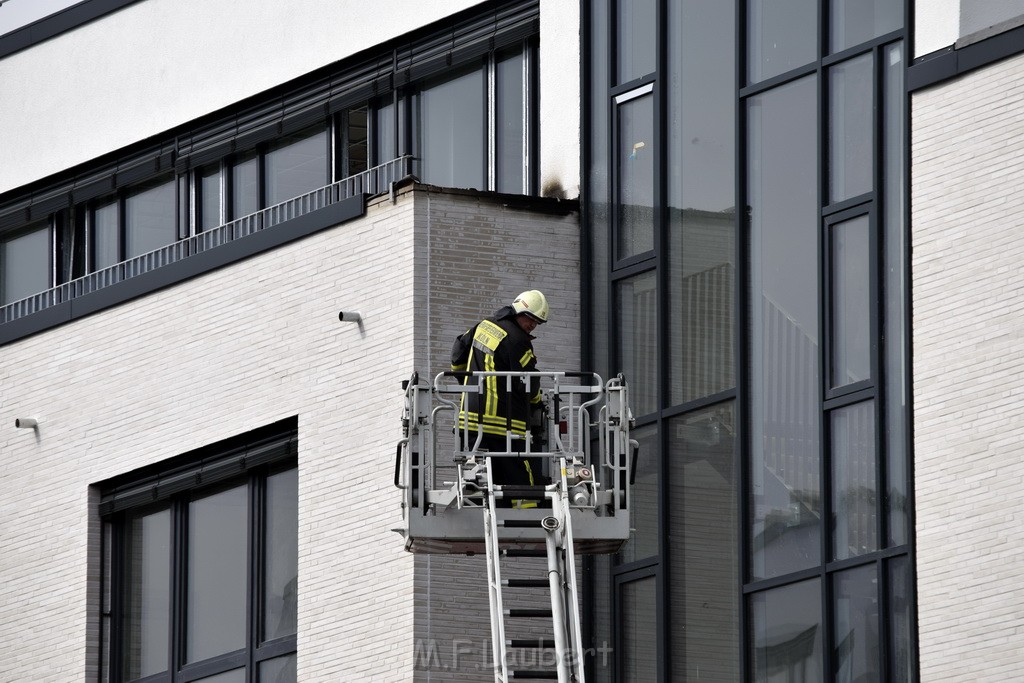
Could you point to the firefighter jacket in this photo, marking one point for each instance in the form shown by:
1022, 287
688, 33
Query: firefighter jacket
497, 343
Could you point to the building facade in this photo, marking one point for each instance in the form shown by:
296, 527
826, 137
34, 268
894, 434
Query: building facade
788, 225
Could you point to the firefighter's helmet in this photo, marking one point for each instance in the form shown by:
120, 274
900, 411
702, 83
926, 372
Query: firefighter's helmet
534, 304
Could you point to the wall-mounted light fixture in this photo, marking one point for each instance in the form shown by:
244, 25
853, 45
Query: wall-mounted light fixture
26, 422
350, 317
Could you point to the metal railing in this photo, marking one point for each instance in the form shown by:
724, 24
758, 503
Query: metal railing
372, 181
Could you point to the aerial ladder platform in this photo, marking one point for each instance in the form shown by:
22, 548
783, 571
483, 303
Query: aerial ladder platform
452, 505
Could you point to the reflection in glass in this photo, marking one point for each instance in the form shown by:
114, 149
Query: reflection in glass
785, 626
855, 625
209, 197
510, 123
850, 282
851, 105
901, 660
150, 221
216, 593
297, 164
703, 545
233, 676
854, 485
635, 45
781, 35
643, 542
25, 264
453, 132
245, 191
785, 417
105, 240
356, 140
147, 599
280, 601
600, 583
385, 148
636, 176
857, 21
701, 199
896, 290
636, 303
639, 609
278, 670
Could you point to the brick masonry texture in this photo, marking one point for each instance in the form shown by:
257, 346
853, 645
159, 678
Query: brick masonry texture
245, 346
968, 157
481, 252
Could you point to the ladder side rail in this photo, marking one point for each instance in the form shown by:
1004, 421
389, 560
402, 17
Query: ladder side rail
499, 655
555, 569
572, 594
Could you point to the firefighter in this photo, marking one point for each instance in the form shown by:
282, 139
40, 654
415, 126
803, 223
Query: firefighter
503, 342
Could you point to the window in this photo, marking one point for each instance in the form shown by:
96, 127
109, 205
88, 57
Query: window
25, 263
202, 584
460, 100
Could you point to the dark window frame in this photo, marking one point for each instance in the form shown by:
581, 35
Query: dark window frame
261, 454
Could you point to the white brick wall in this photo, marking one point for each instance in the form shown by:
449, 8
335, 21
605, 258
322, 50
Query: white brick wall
242, 347
968, 326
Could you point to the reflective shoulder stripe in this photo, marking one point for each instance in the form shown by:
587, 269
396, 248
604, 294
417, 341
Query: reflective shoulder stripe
527, 357
488, 336
459, 368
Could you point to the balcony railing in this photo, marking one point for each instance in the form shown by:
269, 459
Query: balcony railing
372, 181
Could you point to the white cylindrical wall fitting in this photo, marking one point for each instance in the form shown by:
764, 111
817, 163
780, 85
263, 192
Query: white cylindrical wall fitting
350, 316
26, 422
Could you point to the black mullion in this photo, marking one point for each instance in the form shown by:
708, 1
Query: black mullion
255, 578
824, 362
114, 664
663, 621
587, 276
261, 177
741, 352
179, 590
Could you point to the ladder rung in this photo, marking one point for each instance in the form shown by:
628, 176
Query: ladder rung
527, 583
528, 613
524, 552
514, 491
540, 644
536, 675
520, 523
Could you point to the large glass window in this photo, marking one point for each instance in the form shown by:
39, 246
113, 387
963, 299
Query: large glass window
786, 633
245, 185
210, 543
149, 216
636, 300
297, 164
209, 205
851, 112
857, 21
855, 646
25, 263
453, 131
785, 411
106, 234
854, 487
850, 294
643, 542
782, 35
636, 22
635, 175
511, 123
703, 545
638, 659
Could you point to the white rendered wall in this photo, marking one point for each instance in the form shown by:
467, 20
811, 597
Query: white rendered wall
560, 98
936, 25
157, 64
968, 341
193, 364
